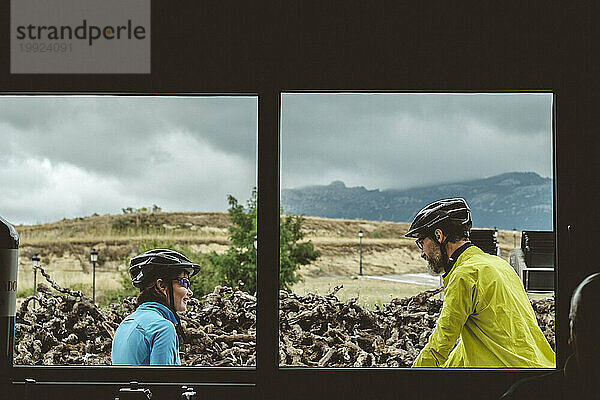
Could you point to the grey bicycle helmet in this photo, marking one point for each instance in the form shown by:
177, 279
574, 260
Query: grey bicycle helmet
448, 212
146, 266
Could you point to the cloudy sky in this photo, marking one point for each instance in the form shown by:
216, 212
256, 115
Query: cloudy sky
384, 141
66, 157
73, 156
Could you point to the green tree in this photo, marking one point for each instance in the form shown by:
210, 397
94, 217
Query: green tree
239, 262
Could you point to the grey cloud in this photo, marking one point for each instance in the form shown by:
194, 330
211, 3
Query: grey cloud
111, 134
391, 140
516, 113
73, 156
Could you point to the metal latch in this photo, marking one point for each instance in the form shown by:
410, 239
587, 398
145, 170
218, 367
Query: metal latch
188, 393
134, 392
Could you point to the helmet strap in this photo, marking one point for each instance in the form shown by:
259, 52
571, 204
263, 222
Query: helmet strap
178, 327
442, 246
170, 290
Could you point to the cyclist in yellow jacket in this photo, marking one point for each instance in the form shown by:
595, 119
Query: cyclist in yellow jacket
485, 303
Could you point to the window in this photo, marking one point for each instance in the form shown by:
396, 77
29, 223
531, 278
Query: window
243, 380
114, 176
359, 166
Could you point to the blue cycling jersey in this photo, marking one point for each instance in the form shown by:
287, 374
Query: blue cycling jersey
147, 337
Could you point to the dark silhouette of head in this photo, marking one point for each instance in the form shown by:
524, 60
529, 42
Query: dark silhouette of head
585, 323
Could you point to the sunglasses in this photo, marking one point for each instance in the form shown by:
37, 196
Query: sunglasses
419, 243
185, 282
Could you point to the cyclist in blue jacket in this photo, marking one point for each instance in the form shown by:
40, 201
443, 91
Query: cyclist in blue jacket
151, 334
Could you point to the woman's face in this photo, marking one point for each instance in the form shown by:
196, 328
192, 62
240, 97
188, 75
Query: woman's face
181, 294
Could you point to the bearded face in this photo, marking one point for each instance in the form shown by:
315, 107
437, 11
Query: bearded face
433, 255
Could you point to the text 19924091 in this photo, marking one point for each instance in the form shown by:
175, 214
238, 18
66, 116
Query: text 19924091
35, 47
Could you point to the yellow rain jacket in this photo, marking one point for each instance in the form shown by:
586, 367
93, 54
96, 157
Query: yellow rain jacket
485, 303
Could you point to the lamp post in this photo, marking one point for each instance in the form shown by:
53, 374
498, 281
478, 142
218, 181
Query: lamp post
515, 238
93, 259
35, 260
360, 236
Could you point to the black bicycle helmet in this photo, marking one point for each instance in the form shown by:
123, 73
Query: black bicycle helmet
448, 212
146, 266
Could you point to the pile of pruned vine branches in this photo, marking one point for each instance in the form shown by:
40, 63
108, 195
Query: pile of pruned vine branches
66, 328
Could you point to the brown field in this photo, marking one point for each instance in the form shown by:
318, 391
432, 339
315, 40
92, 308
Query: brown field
64, 248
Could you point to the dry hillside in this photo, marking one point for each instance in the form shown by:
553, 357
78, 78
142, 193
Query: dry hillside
66, 244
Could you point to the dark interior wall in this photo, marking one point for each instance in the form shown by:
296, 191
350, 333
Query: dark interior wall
267, 47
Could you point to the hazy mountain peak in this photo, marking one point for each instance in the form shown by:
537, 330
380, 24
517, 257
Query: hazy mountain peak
521, 200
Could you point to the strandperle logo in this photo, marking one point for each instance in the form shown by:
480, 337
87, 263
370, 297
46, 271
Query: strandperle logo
80, 37
85, 31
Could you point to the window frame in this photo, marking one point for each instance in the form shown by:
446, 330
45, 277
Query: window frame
268, 378
241, 377
290, 372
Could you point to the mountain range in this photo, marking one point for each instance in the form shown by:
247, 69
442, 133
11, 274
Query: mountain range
521, 200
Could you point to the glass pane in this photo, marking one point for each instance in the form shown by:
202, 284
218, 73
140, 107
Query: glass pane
359, 167
91, 182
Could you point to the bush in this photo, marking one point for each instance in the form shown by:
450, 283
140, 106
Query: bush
204, 282
376, 234
239, 262
139, 220
118, 295
26, 292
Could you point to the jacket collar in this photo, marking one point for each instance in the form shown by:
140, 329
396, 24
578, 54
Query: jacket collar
454, 257
160, 308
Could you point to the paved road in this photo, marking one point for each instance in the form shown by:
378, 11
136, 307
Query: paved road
415, 279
